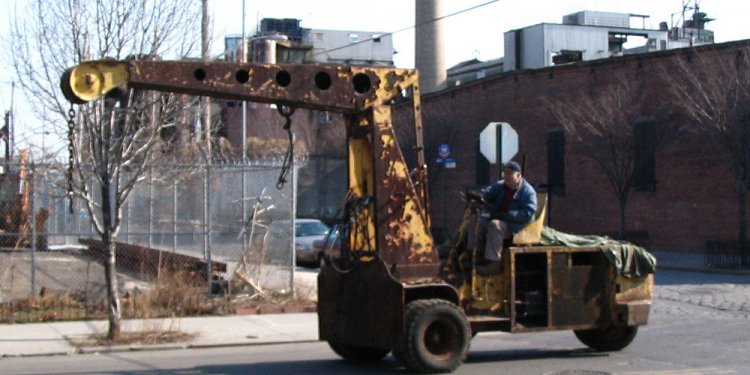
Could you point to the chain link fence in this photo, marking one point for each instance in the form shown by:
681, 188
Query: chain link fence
226, 224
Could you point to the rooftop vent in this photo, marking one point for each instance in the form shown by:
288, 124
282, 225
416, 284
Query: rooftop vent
591, 18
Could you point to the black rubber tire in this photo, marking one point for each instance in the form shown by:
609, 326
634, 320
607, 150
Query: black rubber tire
398, 356
357, 353
610, 339
437, 336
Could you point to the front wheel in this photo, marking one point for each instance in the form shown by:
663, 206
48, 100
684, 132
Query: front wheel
609, 339
357, 353
437, 336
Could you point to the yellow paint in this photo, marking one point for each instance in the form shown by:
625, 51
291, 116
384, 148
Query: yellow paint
401, 79
410, 228
635, 289
361, 184
91, 80
488, 292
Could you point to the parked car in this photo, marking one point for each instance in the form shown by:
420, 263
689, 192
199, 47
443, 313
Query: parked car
307, 231
330, 246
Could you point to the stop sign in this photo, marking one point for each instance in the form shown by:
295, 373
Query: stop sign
498, 138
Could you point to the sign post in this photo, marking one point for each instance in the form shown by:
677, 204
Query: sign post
498, 142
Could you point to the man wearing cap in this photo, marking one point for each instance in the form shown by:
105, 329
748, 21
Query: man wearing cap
512, 203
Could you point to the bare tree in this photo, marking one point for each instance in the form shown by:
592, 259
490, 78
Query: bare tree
111, 140
603, 122
713, 90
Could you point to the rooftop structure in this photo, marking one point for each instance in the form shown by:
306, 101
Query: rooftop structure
283, 41
591, 35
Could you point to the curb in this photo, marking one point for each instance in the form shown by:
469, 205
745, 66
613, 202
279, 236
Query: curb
705, 270
155, 347
179, 346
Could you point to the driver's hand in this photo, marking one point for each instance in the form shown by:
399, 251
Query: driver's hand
475, 196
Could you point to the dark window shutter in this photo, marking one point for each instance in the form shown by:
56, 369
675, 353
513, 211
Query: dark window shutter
556, 161
482, 168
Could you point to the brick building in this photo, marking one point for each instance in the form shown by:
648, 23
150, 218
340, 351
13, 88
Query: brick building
692, 197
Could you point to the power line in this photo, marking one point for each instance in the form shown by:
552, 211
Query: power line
406, 28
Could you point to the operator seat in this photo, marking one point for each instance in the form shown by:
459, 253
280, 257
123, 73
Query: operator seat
532, 233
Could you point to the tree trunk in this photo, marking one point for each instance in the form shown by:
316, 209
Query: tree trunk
113, 297
623, 204
110, 269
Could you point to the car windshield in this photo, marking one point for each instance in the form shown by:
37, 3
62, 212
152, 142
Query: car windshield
311, 229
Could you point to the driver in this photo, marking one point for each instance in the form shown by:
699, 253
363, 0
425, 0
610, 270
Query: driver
512, 204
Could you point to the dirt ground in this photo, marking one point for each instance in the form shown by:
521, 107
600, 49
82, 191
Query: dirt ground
68, 271
56, 271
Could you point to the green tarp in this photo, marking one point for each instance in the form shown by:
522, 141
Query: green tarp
629, 260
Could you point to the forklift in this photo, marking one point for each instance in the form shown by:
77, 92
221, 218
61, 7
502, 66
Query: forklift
388, 291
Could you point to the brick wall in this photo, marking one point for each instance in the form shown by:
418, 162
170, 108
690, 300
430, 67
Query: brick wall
694, 199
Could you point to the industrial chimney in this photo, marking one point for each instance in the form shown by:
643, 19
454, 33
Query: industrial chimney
430, 55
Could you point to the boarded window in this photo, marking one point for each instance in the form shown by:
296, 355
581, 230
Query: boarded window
556, 161
482, 168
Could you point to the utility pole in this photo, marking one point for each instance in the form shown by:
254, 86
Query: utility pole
207, 126
5, 132
243, 59
205, 54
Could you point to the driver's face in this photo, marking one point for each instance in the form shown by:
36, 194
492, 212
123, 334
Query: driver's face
511, 178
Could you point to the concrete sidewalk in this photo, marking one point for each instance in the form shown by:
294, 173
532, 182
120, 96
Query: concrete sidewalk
61, 337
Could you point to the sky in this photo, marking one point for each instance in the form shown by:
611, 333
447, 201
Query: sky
476, 33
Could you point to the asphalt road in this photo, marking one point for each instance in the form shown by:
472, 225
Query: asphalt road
699, 325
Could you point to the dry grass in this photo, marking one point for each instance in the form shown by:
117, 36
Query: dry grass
137, 338
159, 331
174, 294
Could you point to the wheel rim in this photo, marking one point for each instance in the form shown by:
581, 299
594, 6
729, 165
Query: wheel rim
441, 338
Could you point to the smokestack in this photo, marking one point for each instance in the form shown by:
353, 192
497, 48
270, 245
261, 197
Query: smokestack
430, 53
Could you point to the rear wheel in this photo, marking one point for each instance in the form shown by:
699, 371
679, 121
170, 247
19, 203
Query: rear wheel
437, 336
610, 339
358, 353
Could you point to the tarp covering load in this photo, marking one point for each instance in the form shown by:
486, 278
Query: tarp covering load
629, 260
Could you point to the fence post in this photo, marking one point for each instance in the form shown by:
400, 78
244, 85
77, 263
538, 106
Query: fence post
151, 210
293, 200
33, 229
174, 218
207, 228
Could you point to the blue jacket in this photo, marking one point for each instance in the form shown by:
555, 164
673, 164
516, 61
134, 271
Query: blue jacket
521, 209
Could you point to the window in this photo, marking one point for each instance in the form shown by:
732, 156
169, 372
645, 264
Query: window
644, 134
556, 161
324, 117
